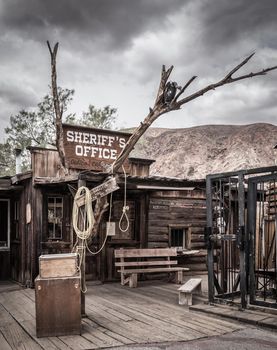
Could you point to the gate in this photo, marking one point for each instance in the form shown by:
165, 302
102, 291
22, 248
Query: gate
262, 217
225, 237
242, 260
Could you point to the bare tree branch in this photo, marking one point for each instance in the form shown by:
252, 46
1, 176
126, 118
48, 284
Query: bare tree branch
165, 74
184, 88
229, 75
227, 80
160, 107
57, 107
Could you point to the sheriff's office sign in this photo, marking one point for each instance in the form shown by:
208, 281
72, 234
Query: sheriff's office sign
93, 149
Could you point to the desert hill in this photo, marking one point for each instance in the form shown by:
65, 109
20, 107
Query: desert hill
195, 152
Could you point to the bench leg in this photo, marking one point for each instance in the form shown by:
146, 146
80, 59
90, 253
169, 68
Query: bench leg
185, 298
198, 290
133, 280
179, 277
122, 279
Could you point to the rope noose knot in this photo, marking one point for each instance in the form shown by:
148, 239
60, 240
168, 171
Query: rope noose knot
125, 208
124, 214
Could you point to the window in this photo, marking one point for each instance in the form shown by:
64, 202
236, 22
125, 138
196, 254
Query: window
4, 224
55, 217
179, 238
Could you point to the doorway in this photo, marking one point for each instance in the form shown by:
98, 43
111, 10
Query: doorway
4, 238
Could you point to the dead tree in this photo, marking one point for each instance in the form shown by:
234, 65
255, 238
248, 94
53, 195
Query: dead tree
57, 107
161, 106
169, 98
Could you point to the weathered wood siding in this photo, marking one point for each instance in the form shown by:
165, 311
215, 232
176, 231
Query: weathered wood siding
180, 209
45, 162
134, 237
22, 246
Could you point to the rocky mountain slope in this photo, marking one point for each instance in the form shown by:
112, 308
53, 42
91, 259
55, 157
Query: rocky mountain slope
195, 152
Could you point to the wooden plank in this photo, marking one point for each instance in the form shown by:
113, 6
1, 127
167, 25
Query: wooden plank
97, 337
160, 237
16, 307
120, 316
137, 330
119, 337
4, 344
91, 148
147, 253
58, 343
46, 343
58, 265
159, 313
18, 338
174, 314
76, 342
163, 327
99, 191
146, 263
190, 285
153, 270
157, 245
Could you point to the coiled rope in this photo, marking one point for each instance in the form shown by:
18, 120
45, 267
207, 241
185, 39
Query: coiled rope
82, 216
85, 217
87, 214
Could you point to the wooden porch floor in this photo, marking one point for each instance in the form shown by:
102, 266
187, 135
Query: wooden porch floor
117, 316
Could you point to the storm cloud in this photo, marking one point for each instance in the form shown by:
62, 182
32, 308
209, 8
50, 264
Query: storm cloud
111, 52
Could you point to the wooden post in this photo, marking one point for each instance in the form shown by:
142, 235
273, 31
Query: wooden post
210, 244
242, 256
83, 267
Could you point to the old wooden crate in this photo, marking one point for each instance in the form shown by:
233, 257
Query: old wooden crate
58, 306
58, 265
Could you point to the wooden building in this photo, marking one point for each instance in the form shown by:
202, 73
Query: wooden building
36, 213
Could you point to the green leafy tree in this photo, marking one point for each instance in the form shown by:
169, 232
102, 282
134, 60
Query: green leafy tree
32, 128
7, 159
37, 128
99, 118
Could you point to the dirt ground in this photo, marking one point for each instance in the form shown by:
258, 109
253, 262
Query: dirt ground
247, 339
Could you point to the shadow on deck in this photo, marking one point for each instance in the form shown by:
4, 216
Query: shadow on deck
116, 316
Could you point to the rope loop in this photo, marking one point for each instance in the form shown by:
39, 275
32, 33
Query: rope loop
124, 214
125, 207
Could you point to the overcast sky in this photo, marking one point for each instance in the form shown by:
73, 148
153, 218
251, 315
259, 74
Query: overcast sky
111, 52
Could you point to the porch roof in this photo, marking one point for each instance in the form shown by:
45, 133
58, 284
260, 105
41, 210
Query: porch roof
151, 182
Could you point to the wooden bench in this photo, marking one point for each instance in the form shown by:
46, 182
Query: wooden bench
185, 291
137, 261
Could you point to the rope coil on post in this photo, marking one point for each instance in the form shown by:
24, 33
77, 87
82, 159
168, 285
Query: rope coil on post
87, 214
87, 221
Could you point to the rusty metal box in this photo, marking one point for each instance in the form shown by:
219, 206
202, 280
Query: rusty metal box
58, 265
58, 306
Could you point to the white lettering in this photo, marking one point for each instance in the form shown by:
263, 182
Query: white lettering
122, 142
111, 140
92, 139
85, 137
70, 136
86, 150
113, 153
106, 153
100, 152
78, 137
79, 150
104, 139
93, 151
